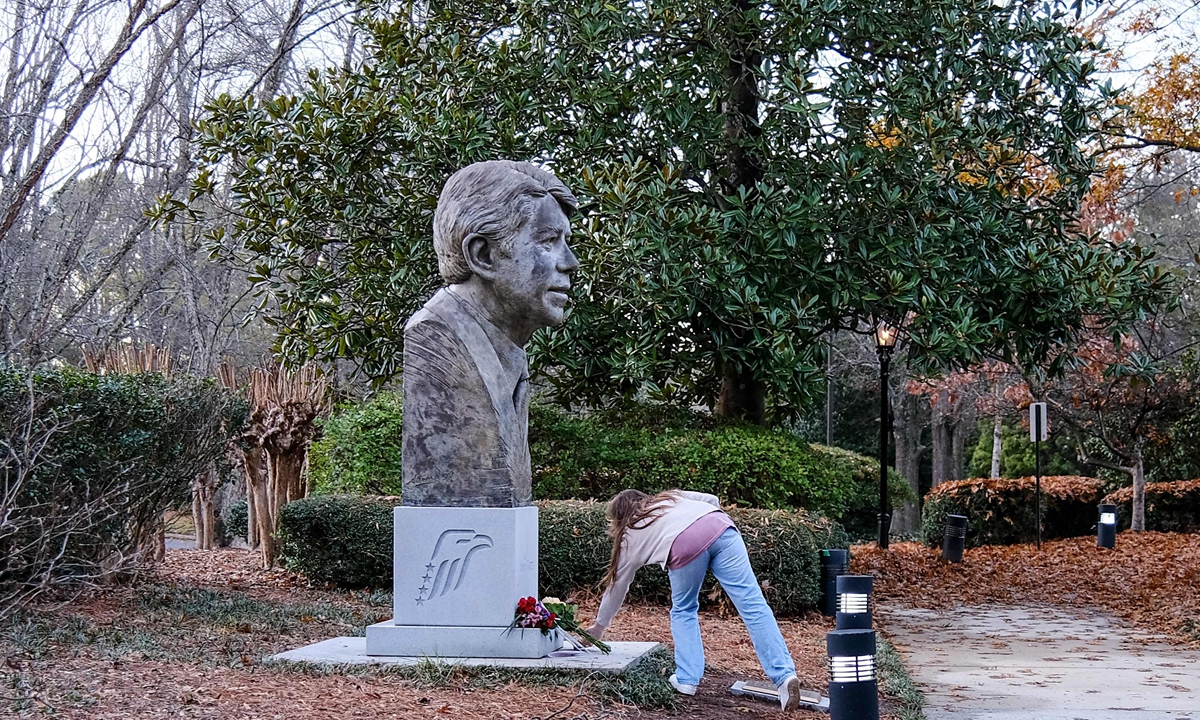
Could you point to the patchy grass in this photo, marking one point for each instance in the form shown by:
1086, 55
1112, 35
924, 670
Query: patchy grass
242, 613
644, 685
189, 644
896, 683
1190, 628
179, 624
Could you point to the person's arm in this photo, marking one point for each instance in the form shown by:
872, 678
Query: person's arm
614, 596
701, 497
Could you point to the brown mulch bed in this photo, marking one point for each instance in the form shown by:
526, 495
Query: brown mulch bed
1150, 579
187, 642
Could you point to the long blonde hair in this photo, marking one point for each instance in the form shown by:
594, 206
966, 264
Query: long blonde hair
632, 509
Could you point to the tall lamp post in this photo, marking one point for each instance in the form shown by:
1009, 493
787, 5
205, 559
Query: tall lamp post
885, 342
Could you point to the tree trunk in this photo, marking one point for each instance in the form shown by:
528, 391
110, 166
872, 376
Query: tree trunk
906, 432
285, 484
261, 490
255, 474
197, 516
742, 397
210, 516
997, 445
160, 543
1137, 522
960, 425
203, 515
829, 389
942, 437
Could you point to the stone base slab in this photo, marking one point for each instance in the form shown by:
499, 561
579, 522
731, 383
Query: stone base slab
389, 639
353, 651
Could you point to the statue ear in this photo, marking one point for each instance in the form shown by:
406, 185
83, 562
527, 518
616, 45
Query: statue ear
479, 255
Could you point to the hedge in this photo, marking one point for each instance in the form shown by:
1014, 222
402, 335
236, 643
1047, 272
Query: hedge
1170, 506
596, 456
91, 462
648, 447
1002, 511
237, 520
347, 541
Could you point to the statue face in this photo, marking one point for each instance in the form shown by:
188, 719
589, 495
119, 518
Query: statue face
532, 284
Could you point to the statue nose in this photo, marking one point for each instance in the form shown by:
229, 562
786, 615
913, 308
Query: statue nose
569, 262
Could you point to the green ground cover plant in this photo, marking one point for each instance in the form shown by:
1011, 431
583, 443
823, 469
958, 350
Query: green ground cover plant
644, 685
896, 683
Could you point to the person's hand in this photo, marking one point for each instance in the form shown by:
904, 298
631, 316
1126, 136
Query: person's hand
595, 630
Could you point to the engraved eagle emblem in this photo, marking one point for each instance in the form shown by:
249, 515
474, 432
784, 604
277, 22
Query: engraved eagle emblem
449, 562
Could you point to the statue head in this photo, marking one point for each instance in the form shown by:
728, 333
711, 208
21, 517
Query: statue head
502, 232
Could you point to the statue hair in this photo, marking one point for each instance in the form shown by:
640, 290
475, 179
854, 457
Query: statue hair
492, 199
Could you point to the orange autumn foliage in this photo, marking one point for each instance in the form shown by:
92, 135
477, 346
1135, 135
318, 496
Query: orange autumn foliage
1170, 506
1150, 579
1073, 487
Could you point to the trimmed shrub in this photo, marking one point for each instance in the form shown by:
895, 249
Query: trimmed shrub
359, 449
596, 456
1002, 511
1170, 506
348, 541
648, 447
345, 540
237, 520
783, 547
91, 463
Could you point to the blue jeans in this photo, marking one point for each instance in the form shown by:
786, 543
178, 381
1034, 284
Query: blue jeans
731, 566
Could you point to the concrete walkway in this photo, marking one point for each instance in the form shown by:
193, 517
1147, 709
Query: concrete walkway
1022, 663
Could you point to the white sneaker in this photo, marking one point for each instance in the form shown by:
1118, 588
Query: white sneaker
789, 693
691, 689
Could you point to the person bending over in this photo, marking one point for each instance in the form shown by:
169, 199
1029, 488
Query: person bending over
688, 535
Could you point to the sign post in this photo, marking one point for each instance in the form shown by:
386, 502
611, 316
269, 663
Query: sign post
1037, 433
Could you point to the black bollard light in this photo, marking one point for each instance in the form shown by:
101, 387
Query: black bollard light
853, 690
1106, 529
834, 562
854, 602
955, 538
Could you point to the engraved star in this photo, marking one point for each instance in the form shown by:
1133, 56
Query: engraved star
420, 600
429, 567
427, 576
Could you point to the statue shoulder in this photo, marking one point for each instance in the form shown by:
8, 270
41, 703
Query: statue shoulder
434, 312
432, 346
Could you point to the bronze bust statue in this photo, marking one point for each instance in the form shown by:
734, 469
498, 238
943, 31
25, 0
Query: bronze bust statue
501, 231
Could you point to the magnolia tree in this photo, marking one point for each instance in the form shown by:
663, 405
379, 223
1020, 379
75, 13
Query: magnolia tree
752, 177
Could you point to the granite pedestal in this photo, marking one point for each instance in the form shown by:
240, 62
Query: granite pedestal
458, 574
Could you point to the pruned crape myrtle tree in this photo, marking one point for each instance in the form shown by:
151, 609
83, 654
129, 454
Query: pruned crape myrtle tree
753, 175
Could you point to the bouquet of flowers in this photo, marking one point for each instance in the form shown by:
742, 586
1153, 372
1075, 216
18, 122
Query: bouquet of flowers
550, 614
